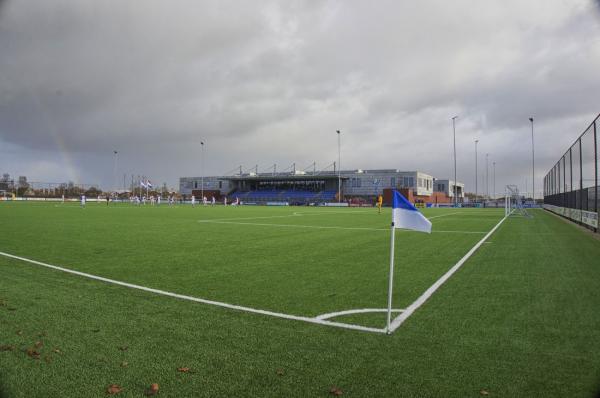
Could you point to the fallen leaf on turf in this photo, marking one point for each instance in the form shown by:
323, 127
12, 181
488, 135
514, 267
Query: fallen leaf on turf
484, 392
124, 364
20, 332
280, 372
33, 353
7, 347
113, 389
57, 351
2, 303
38, 344
48, 359
153, 390
183, 370
123, 348
42, 334
335, 391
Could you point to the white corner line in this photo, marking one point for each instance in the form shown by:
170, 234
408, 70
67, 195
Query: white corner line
327, 227
443, 215
200, 300
399, 320
350, 312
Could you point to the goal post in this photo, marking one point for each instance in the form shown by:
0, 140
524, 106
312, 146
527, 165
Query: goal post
513, 203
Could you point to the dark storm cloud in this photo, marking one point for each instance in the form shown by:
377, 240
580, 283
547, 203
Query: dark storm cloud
270, 82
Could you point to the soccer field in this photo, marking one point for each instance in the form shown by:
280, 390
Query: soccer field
276, 289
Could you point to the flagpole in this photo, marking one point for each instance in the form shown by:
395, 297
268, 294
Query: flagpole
391, 281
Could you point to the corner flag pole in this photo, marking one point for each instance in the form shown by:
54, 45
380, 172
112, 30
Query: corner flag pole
391, 282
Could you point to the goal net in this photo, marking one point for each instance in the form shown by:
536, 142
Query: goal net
513, 203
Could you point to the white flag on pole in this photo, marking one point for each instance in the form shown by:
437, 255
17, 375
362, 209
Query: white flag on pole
405, 215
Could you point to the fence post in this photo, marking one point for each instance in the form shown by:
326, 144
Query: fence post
580, 178
596, 168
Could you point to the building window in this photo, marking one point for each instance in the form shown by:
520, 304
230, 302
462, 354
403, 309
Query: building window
220, 184
195, 184
393, 182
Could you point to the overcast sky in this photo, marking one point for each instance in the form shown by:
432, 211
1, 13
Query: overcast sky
264, 82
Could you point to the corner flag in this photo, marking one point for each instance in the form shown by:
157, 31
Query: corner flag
404, 215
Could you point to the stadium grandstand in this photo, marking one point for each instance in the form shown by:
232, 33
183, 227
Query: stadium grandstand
317, 187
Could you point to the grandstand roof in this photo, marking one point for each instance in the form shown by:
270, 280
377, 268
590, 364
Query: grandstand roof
286, 176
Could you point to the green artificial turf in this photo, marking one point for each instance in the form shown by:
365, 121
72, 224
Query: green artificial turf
519, 318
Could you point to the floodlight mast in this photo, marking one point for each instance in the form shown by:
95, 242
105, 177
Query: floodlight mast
202, 170
487, 176
455, 183
115, 152
339, 168
476, 141
532, 163
494, 181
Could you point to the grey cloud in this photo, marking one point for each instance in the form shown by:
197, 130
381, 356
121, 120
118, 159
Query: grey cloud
272, 81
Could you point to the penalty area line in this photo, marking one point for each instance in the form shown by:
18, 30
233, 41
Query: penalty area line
314, 320
329, 227
399, 320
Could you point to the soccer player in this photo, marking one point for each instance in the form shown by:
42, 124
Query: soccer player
82, 200
107, 199
224, 200
193, 201
212, 201
379, 203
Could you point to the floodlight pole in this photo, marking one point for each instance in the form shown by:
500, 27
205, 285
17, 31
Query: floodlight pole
115, 169
202, 170
391, 281
533, 163
339, 168
476, 141
487, 176
494, 180
455, 183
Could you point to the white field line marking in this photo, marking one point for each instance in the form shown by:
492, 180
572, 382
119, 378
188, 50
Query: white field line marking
298, 214
249, 218
429, 292
329, 227
443, 215
350, 312
200, 300
335, 212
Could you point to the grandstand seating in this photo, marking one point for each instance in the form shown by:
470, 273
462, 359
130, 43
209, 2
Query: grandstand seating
290, 196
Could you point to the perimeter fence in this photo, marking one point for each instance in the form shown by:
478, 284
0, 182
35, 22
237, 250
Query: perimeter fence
571, 186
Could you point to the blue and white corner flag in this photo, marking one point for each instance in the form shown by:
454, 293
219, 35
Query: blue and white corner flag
149, 184
142, 184
405, 215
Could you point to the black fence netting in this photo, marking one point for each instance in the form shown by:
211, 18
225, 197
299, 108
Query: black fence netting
571, 186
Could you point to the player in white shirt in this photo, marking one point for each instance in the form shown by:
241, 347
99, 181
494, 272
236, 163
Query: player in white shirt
82, 200
193, 201
224, 200
212, 201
